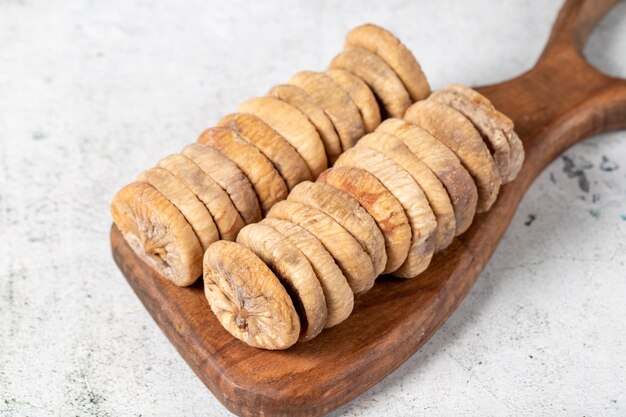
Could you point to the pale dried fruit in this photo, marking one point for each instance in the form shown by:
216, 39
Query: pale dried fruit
225, 215
293, 270
434, 190
378, 76
337, 292
384, 44
265, 179
384, 208
185, 201
458, 133
247, 298
336, 103
400, 183
496, 128
285, 158
229, 177
294, 126
444, 163
302, 101
158, 232
361, 95
348, 254
346, 211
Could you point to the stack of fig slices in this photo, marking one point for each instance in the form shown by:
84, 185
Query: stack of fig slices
399, 190
239, 169
402, 193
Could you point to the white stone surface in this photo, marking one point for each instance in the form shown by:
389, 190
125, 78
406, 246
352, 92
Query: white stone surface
93, 92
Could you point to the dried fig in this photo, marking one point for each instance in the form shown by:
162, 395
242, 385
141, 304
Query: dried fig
294, 126
285, 158
346, 211
302, 101
444, 163
247, 298
293, 270
348, 254
400, 183
384, 208
185, 201
158, 232
384, 44
378, 76
458, 133
265, 179
434, 190
229, 177
337, 292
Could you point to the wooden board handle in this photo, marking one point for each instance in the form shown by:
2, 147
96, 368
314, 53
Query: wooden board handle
576, 21
563, 98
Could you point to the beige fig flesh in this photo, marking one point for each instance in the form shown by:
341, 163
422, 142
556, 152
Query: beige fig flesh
302, 101
400, 183
361, 95
348, 254
294, 126
444, 163
294, 271
216, 200
247, 298
458, 133
268, 185
337, 293
378, 76
395, 54
496, 128
336, 103
158, 232
434, 190
285, 158
186, 202
229, 177
384, 208
346, 211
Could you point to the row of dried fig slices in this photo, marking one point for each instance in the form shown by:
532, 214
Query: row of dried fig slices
402, 193
238, 170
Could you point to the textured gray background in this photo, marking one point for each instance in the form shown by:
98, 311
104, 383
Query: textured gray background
93, 92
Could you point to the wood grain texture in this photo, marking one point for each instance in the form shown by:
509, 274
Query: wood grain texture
560, 101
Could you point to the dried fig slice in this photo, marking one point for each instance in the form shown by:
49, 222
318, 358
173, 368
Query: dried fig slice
302, 101
337, 293
293, 270
216, 200
285, 158
384, 208
361, 95
434, 190
158, 232
346, 211
265, 179
348, 254
384, 44
247, 298
294, 126
458, 133
378, 76
229, 177
336, 103
400, 183
185, 201
444, 163
496, 128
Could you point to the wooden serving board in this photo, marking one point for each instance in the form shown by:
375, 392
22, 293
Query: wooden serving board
558, 102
